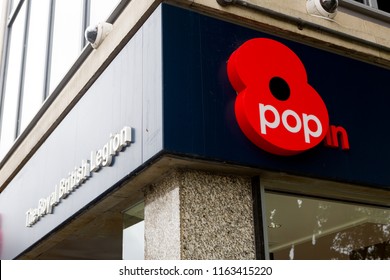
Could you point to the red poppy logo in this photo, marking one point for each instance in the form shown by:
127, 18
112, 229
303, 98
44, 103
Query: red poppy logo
276, 108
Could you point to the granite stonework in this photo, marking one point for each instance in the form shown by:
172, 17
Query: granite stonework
199, 215
162, 220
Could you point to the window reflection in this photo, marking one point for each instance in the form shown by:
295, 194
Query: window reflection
100, 10
308, 228
12, 83
67, 36
33, 94
23, 95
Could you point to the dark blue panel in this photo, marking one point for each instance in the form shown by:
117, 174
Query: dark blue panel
199, 114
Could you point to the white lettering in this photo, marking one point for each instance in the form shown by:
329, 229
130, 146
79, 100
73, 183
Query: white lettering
94, 167
126, 136
264, 123
266, 111
107, 158
99, 158
298, 122
62, 189
116, 143
306, 128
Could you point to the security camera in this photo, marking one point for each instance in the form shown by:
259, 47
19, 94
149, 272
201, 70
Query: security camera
95, 34
225, 2
325, 8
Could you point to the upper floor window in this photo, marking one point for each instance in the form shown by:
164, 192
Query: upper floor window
383, 5
375, 8
43, 39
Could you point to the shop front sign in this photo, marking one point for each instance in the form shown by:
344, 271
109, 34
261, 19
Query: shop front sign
76, 178
276, 107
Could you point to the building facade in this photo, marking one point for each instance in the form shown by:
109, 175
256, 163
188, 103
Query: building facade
195, 130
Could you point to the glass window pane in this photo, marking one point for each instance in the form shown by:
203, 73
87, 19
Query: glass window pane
384, 5
308, 228
12, 5
35, 60
67, 34
12, 83
101, 10
133, 233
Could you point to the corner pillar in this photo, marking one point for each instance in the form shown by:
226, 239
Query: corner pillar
199, 215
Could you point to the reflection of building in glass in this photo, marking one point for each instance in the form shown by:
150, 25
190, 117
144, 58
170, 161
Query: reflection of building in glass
195, 176
321, 229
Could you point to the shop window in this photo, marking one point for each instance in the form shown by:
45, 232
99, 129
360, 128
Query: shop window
308, 229
133, 233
